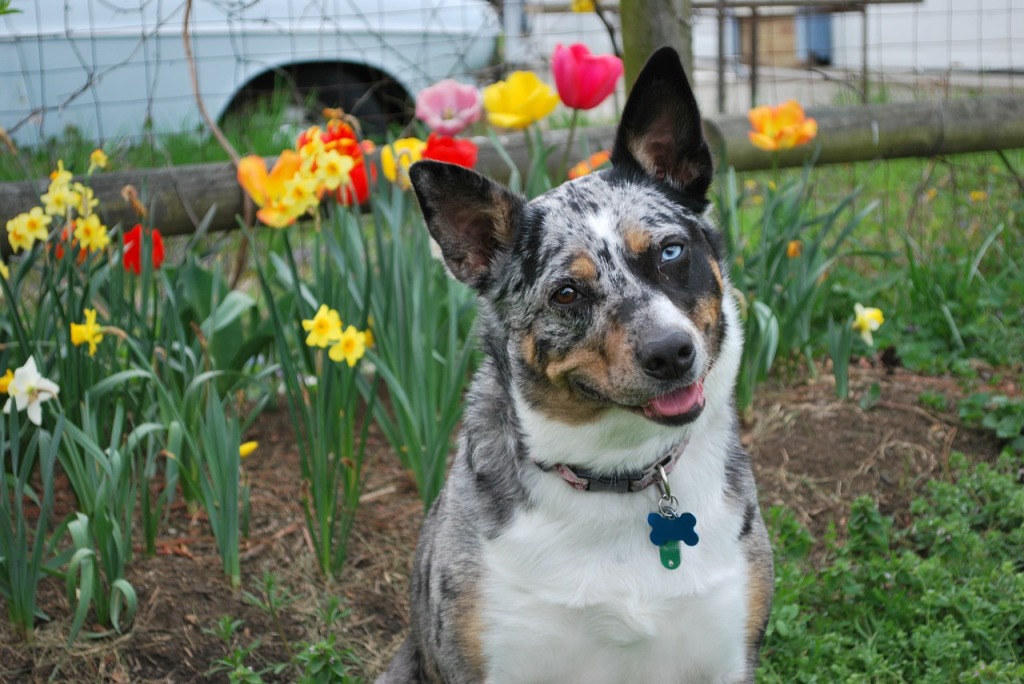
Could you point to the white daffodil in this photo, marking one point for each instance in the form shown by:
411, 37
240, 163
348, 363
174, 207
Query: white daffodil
28, 389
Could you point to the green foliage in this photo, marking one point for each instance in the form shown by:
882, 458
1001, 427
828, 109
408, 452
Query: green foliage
26, 553
328, 401
781, 268
317, 661
937, 602
996, 412
425, 352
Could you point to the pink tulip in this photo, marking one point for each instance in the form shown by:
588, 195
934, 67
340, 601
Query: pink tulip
448, 107
584, 80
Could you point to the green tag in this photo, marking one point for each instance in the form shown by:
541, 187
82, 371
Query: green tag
670, 554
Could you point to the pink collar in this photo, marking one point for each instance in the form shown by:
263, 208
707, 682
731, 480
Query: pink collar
622, 483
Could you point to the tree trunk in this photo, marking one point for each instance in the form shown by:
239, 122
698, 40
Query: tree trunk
650, 24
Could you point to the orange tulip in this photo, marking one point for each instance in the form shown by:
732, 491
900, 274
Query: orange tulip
781, 127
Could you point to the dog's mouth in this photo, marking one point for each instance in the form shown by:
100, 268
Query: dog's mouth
678, 407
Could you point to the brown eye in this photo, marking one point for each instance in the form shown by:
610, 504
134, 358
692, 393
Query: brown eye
566, 296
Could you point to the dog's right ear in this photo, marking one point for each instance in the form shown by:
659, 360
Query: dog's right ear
472, 218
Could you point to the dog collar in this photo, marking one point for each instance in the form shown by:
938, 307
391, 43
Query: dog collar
622, 483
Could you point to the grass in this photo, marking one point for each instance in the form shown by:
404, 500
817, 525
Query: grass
264, 130
940, 256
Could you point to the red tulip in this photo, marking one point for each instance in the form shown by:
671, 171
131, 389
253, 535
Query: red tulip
584, 80
452, 150
133, 249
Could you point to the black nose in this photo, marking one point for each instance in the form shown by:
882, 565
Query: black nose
667, 357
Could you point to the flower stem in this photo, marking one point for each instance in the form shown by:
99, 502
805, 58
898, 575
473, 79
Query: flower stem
563, 168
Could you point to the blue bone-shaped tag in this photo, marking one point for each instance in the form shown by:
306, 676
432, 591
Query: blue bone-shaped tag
665, 530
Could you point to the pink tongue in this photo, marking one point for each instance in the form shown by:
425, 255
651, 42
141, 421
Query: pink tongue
679, 402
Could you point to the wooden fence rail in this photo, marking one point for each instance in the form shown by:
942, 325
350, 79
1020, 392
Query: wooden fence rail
180, 196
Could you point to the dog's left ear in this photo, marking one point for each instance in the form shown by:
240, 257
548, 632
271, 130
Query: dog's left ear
661, 130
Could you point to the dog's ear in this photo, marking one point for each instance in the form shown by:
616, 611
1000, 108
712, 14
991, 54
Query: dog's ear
661, 130
472, 218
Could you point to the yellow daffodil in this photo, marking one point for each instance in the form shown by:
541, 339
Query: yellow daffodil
332, 169
867, 319
36, 222
323, 328
312, 143
24, 229
97, 160
300, 193
246, 448
350, 347
91, 233
59, 199
87, 333
17, 235
396, 158
27, 389
86, 199
781, 127
5, 380
5, 272
519, 100
60, 176
794, 248
978, 195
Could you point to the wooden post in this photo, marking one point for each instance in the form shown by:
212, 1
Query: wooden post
721, 56
650, 24
754, 28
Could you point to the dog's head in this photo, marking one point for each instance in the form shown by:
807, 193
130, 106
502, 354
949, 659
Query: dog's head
609, 292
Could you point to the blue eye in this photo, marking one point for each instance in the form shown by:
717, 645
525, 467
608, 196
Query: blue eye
671, 253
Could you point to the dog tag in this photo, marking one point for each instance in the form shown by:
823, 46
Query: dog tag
670, 554
667, 530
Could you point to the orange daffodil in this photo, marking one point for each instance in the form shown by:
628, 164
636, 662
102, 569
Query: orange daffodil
519, 101
325, 161
325, 331
781, 127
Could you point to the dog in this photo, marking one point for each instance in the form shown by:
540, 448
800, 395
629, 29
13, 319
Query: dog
600, 522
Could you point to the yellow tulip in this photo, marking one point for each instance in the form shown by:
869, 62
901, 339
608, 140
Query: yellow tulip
396, 158
519, 100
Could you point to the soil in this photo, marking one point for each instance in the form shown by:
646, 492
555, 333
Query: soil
811, 453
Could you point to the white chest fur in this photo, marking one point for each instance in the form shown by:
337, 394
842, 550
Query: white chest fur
575, 591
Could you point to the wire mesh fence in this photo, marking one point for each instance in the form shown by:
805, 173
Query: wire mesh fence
118, 71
